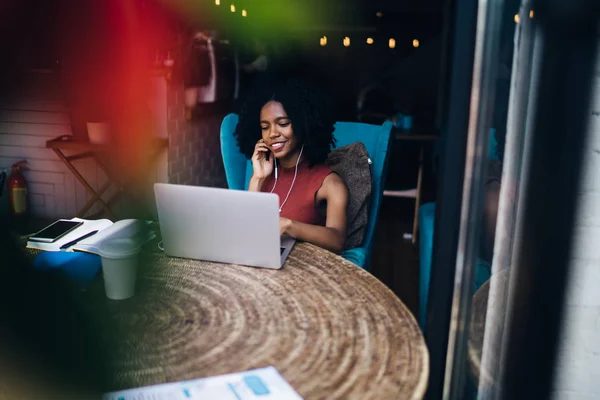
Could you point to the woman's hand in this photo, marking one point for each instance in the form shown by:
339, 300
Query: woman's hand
284, 225
262, 167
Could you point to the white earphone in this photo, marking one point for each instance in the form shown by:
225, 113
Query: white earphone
293, 180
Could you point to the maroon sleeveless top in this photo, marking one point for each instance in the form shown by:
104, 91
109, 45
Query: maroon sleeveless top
300, 205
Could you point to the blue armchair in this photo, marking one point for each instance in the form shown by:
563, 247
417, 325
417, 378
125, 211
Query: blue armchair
377, 140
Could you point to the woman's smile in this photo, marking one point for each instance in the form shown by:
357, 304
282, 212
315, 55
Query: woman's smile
277, 147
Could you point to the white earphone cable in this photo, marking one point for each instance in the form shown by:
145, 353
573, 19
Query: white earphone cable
275, 184
293, 180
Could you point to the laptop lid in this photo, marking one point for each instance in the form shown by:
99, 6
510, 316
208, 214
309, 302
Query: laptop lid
221, 225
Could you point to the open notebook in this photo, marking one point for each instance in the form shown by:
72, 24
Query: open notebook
134, 229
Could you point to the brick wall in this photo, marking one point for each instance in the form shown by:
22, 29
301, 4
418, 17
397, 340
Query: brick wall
194, 146
38, 113
35, 114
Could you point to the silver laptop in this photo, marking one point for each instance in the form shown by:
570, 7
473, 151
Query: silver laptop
222, 225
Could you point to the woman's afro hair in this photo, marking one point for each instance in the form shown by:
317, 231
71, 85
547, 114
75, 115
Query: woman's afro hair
309, 112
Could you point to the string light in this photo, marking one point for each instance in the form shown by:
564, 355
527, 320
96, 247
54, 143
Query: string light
530, 13
244, 13
232, 8
218, 2
517, 19
346, 41
392, 43
379, 14
415, 43
323, 41
369, 40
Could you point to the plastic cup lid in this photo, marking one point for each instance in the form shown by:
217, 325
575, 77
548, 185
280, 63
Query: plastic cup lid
119, 248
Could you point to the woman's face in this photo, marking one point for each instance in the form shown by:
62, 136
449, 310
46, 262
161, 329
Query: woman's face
277, 131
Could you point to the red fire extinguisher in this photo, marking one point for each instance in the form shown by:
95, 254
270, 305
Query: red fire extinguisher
17, 192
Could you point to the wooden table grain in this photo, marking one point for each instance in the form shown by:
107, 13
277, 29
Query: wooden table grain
330, 328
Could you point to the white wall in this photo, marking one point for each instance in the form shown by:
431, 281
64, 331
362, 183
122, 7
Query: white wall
578, 374
36, 113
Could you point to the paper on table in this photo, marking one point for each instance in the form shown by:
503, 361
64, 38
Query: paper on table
260, 384
133, 229
87, 227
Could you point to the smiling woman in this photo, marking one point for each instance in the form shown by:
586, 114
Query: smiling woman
287, 131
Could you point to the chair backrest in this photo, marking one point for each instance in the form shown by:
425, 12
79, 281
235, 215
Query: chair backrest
376, 138
238, 169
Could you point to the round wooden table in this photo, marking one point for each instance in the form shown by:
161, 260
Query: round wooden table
331, 329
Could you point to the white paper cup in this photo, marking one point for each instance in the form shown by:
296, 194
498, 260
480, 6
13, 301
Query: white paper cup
119, 268
98, 132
